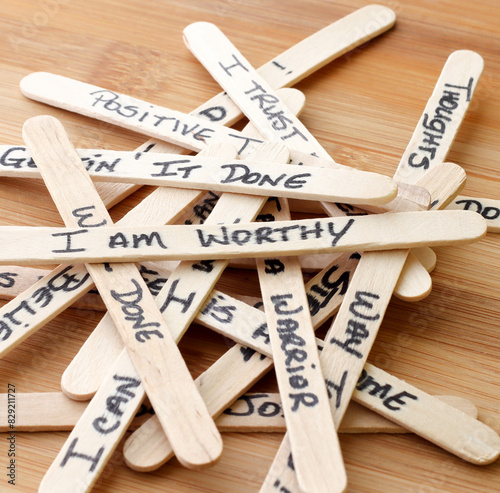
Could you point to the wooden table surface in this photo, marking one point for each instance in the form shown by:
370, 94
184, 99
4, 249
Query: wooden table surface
363, 109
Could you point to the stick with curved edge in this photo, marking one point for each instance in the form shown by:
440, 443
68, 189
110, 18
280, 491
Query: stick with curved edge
317, 455
97, 433
151, 347
33, 245
262, 106
352, 334
262, 413
251, 413
443, 114
248, 177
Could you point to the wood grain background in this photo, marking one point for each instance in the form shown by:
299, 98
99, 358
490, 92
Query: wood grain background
363, 109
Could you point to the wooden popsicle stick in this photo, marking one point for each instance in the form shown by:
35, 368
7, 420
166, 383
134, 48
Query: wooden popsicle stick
247, 89
262, 412
165, 376
488, 208
451, 430
33, 245
316, 450
175, 127
356, 325
249, 177
54, 411
442, 116
97, 433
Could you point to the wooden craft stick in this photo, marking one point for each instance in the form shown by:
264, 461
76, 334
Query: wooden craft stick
165, 376
97, 433
33, 245
262, 412
251, 413
442, 116
453, 432
353, 332
15, 279
316, 450
488, 208
249, 177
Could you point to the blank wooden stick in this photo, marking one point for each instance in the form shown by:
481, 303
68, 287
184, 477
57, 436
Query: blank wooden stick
33, 245
488, 208
442, 116
150, 345
316, 451
251, 413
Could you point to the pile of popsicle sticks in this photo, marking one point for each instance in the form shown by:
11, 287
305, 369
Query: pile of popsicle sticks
182, 254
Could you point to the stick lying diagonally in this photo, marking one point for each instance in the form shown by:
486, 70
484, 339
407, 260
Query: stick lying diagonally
53, 411
150, 345
261, 412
